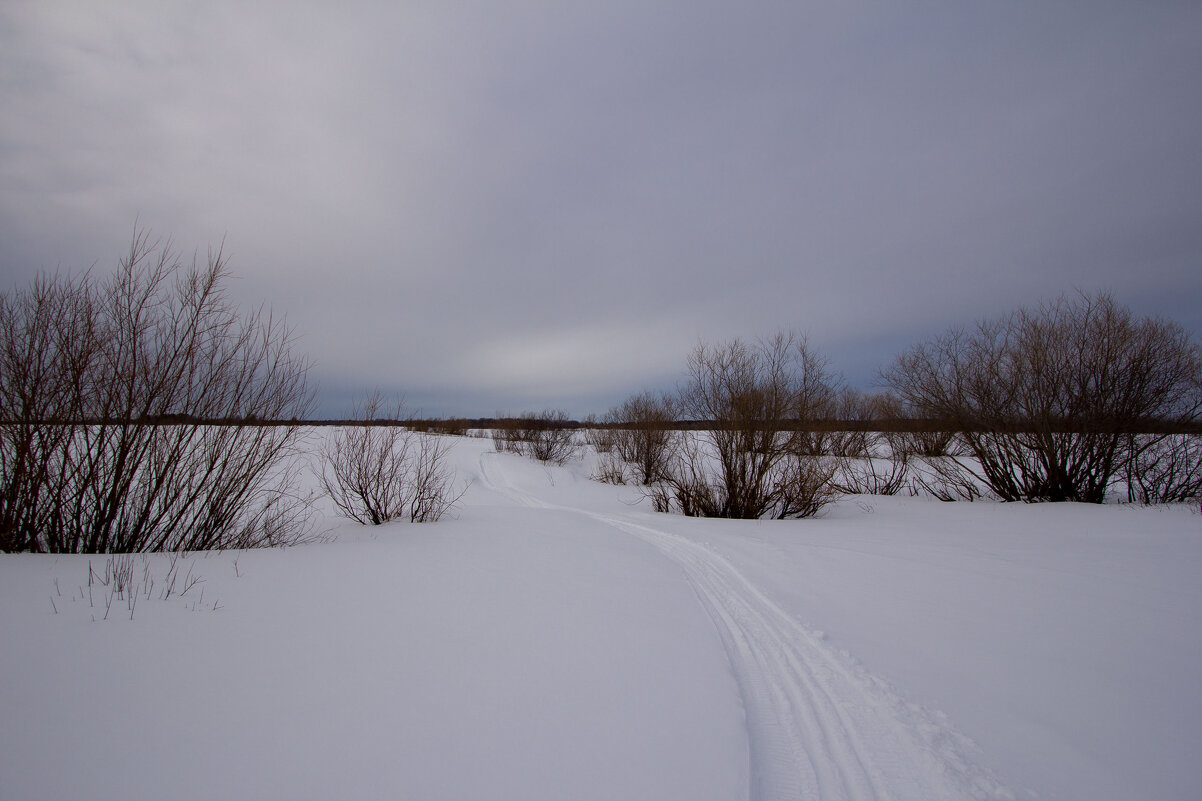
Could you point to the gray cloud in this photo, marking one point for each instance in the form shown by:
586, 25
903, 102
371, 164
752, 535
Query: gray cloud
497, 207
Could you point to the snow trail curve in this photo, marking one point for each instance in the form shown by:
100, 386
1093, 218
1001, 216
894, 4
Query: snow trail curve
820, 727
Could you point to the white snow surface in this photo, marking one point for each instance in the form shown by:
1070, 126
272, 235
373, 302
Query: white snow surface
559, 640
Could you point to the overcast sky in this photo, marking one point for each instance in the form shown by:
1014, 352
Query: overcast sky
500, 206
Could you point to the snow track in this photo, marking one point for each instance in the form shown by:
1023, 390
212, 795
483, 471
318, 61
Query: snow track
819, 725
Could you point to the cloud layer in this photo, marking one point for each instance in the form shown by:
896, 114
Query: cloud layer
504, 206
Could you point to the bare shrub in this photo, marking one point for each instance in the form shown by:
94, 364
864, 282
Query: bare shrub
947, 478
803, 484
380, 470
755, 398
130, 413
1047, 398
504, 437
850, 412
433, 490
46, 336
907, 432
610, 469
454, 427
642, 434
598, 435
797, 485
927, 443
544, 436
812, 442
693, 483
873, 462
1165, 470
879, 474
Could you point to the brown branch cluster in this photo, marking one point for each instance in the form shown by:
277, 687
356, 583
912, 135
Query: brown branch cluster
376, 473
110, 362
1050, 401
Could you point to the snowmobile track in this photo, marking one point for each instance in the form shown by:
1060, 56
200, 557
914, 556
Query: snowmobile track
820, 727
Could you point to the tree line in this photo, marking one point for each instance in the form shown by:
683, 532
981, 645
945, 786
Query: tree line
143, 411
1071, 400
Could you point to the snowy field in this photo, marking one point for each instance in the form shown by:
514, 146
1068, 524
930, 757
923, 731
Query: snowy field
558, 640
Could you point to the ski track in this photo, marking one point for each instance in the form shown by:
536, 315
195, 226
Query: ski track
819, 726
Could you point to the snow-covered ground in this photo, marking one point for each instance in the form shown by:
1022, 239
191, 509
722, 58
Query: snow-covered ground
560, 641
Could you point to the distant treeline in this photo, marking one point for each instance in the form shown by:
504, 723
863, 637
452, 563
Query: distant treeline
461, 425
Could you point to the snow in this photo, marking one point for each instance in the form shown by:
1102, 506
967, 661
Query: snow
560, 640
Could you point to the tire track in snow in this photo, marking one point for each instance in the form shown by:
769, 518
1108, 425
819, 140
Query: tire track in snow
819, 725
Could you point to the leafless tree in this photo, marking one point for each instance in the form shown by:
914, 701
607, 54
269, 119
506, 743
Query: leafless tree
643, 436
1047, 399
434, 491
380, 470
872, 458
692, 483
851, 412
1166, 470
45, 336
928, 443
755, 400
544, 436
610, 468
948, 477
598, 435
803, 484
504, 436
131, 412
876, 473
